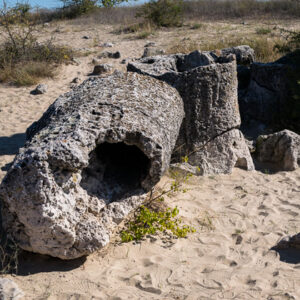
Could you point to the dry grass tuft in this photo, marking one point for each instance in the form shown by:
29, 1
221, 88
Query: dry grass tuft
9, 256
26, 74
264, 47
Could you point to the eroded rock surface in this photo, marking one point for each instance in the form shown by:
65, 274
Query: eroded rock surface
244, 54
207, 84
268, 96
88, 163
281, 149
152, 51
223, 153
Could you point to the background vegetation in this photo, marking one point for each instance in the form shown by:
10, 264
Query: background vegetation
23, 60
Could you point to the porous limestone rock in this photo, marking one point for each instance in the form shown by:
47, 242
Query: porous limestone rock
9, 290
207, 84
268, 99
102, 68
40, 89
244, 54
152, 51
280, 148
106, 45
150, 44
88, 163
263, 95
108, 54
223, 153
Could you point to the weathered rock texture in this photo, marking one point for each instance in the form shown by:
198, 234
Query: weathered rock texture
152, 51
268, 95
281, 148
9, 290
244, 54
208, 86
102, 68
88, 162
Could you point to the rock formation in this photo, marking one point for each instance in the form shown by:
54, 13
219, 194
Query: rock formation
40, 89
244, 54
88, 162
207, 84
152, 51
102, 68
281, 149
268, 95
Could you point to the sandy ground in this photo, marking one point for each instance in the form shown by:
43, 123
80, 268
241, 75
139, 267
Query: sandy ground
238, 217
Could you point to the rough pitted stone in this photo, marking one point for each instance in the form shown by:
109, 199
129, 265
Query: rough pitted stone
40, 89
223, 153
96, 61
244, 54
208, 86
152, 51
106, 45
108, 54
150, 44
281, 148
102, 68
88, 162
266, 90
268, 98
9, 290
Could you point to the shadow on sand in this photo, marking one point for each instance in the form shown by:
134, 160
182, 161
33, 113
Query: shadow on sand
10, 145
289, 255
32, 263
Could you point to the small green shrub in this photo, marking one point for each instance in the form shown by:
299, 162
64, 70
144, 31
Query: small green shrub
75, 8
263, 30
143, 35
198, 26
154, 218
150, 222
162, 13
292, 42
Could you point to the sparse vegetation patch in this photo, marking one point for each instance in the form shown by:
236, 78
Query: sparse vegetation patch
154, 216
23, 60
149, 221
162, 13
263, 30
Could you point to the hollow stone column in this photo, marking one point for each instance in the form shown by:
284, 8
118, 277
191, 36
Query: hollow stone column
207, 84
88, 163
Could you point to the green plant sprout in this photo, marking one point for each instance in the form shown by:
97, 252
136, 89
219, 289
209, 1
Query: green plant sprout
148, 221
153, 219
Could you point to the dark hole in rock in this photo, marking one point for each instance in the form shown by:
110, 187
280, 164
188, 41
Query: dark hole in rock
150, 61
115, 171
